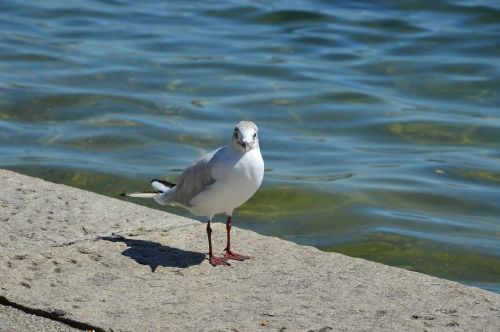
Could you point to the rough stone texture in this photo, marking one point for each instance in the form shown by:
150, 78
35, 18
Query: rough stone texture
58, 255
35, 213
12, 319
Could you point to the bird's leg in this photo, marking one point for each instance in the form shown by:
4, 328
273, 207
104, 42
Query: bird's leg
229, 253
211, 258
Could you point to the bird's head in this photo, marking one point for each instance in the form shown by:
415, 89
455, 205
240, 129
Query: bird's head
245, 136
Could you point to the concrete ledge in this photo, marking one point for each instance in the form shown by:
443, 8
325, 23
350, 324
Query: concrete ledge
61, 261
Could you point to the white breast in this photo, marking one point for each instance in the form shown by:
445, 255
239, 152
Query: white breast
237, 178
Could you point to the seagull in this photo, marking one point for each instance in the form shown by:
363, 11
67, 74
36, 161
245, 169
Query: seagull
218, 182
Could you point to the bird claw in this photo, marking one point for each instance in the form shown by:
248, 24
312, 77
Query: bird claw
218, 261
235, 256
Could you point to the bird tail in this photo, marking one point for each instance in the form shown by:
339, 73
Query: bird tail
164, 191
160, 186
144, 194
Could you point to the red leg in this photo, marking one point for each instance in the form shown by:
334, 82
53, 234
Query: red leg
211, 258
229, 253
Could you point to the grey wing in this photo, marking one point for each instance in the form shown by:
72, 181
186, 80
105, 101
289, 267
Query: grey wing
195, 179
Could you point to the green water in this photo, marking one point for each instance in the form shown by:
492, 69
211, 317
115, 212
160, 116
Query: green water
379, 120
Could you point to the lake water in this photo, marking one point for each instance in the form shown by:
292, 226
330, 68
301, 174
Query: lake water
379, 120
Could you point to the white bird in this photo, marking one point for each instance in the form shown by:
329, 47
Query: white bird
218, 182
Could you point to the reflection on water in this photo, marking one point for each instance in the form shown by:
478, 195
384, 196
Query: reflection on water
379, 120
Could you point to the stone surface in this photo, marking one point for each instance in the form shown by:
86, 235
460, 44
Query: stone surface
35, 213
12, 319
118, 266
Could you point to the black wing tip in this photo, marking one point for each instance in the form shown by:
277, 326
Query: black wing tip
122, 194
163, 182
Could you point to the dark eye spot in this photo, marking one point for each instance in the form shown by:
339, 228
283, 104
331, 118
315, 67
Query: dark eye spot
254, 135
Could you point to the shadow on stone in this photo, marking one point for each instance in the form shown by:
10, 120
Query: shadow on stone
155, 254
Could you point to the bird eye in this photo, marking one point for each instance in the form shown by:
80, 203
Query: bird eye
254, 135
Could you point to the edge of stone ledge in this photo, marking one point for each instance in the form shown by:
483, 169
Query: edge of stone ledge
362, 292
175, 221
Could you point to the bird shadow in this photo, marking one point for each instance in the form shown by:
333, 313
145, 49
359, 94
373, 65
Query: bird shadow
155, 254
